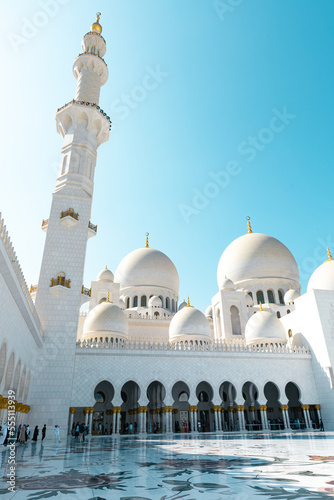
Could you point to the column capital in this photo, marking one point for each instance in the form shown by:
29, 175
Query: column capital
193, 408
18, 407
230, 409
284, 407
317, 407
142, 409
305, 407
168, 409
117, 409
262, 407
72, 410
251, 408
240, 407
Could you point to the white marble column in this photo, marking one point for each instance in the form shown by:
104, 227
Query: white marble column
240, 410
285, 414
216, 414
169, 410
114, 422
317, 407
91, 421
307, 418
145, 412
72, 410
264, 420
87, 413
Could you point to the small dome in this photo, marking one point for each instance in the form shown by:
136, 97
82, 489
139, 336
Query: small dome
249, 300
105, 275
108, 319
189, 324
96, 27
208, 311
323, 277
290, 296
121, 304
264, 327
182, 305
147, 267
226, 284
256, 256
298, 340
155, 301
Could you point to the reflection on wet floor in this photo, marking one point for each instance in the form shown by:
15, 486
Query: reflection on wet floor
175, 467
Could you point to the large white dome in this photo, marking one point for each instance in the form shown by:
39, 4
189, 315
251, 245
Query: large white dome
147, 267
189, 324
256, 256
323, 277
106, 319
264, 327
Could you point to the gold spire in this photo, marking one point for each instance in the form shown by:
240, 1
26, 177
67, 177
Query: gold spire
108, 300
97, 26
249, 225
329, 255
188, 302
261, 307
147, 245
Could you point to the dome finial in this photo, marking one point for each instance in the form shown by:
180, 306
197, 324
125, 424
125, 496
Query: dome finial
261, 306
97, 26
249, 225
146, 244
108, 300
188, 302
329, 255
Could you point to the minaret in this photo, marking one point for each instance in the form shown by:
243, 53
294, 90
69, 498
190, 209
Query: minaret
83, 126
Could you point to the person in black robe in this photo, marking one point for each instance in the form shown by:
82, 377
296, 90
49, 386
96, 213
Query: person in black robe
36, 432
43, 432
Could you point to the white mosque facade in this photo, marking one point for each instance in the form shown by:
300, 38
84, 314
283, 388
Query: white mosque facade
261, 357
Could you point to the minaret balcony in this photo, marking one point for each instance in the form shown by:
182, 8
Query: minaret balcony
92, 229
85, 294
33, 291
69, 218
59, 283
86, 291
45, 223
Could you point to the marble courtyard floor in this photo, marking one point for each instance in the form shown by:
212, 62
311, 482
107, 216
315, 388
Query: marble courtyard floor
203, 466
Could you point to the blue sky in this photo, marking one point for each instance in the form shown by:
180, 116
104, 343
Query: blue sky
194, 88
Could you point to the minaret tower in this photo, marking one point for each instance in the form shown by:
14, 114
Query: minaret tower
83, 126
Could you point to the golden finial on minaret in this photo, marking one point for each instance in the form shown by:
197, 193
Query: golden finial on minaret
146, 244
188, 302
329, 255
108, 300
249, 225
97, 26
261, 306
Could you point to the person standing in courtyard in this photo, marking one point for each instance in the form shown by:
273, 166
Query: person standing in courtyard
43, 432
57, 433
81, 433
23, 434
36, 432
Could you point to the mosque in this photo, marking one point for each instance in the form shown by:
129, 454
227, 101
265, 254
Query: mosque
259, 358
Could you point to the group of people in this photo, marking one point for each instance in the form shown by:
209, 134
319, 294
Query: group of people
79, 431
21, 434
